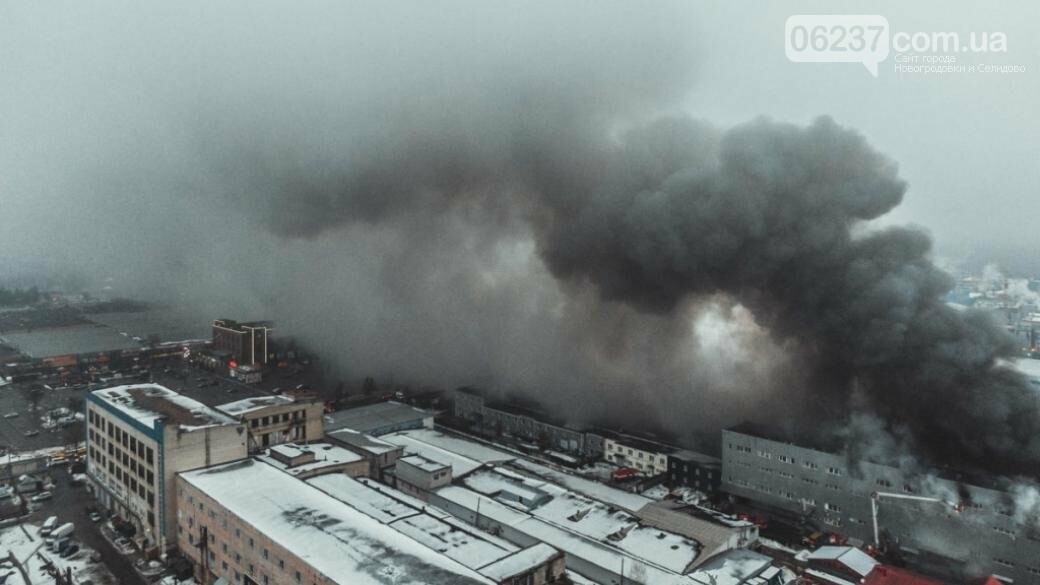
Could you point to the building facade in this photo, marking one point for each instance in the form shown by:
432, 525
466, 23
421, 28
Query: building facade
694, 470
138, 439
976, 528
418, 476
248, 343
645, 456
495, 420
276, 420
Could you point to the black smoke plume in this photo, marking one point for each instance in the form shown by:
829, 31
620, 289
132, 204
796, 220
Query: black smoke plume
770, 215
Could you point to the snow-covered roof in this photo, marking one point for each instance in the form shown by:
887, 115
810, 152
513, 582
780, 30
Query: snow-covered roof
345, 545
149, 403
594, 489
374, 417
732, 567
325, 456
423, 463
247, 405
858, 561
520, 562
1029, 366
361, 441
463, 456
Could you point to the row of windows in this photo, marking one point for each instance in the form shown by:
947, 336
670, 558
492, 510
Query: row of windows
277, 418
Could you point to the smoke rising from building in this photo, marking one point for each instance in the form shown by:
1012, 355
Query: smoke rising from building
511, 199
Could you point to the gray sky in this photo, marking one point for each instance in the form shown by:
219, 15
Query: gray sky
260, 159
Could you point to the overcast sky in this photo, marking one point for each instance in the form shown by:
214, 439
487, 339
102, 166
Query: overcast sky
226, 154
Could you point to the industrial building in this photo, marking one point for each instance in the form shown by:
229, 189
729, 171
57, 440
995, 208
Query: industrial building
247, 522
694, 470
525, 423
245, 343
379, 419
138, 438
274, 420
598, 527
381, 455
975, 528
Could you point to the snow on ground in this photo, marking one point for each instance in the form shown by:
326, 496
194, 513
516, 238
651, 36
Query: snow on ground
658, 492
27, 546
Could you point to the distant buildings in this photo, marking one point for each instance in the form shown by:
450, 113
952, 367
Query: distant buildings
525, 424
138, 438
246, 343
974, 529
278, 419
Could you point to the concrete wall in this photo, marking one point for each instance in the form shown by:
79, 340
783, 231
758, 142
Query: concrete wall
305, 424
232, 546
184, 451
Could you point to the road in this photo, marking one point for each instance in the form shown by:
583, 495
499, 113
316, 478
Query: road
70, 504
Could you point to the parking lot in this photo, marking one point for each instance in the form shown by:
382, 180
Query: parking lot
71, 503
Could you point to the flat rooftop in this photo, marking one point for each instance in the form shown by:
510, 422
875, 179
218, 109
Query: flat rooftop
373, 417
247, 405
361, 441
325, 456
423, 463
150, 403
344, 544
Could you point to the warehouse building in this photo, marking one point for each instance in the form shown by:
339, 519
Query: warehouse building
379, 419
247, 522
968, 521
138, 438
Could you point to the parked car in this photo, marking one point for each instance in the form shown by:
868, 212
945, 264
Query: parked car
11, 415
42, 496
95, 517
70, 550
32, 433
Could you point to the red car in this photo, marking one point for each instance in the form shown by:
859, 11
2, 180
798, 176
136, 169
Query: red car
623, 473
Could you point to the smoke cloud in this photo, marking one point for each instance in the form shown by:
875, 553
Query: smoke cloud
510, 198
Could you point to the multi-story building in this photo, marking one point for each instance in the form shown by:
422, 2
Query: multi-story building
649, 457
138, 438
694, 470
247, 343
249, 523
970, 523
279, 419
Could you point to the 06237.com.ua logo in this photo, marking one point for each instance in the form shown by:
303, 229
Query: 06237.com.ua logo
866, 39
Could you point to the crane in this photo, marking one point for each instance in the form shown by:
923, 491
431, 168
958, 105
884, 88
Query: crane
876, 497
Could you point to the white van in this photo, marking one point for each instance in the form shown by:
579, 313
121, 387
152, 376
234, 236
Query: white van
48, 525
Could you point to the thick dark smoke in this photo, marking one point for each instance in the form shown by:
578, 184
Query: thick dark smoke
503, 196
771, 215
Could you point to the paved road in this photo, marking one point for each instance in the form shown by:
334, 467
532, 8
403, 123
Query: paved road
70, 504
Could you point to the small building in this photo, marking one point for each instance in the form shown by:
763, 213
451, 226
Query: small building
138, 438
839, 565
694, 470
306, 461
379, 419
381, 455
649, 457
277, 419
245, 373
248, 343
417, 475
